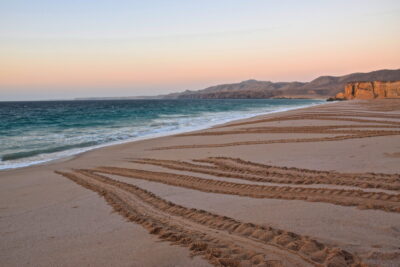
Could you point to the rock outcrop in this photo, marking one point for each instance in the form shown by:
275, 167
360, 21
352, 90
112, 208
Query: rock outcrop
370, 90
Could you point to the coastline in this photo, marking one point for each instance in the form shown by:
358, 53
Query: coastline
47, 219
68, 154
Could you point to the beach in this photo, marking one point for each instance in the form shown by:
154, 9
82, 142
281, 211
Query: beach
306, 187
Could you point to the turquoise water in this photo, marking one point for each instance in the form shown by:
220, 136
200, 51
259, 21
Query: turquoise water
36, 132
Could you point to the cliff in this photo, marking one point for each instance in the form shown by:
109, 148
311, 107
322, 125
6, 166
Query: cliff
370, 90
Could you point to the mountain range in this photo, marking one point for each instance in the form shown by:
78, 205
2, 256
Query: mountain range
321, 87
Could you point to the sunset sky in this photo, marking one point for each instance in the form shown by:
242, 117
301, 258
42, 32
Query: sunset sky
53, 49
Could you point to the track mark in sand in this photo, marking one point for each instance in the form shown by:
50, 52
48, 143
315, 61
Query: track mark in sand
280, 141
382, 104
358, 198
251, 171
393, 155
329, 129
325, 116
368, 128
221, 240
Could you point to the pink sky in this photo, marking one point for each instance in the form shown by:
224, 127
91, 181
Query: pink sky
105, 60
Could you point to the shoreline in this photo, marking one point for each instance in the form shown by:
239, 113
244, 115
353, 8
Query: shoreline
69, 154
335, 168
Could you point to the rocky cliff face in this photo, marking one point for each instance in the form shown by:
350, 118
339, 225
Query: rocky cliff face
370, 90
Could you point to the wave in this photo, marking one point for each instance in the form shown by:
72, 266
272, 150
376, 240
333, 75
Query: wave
31, 153
164, 125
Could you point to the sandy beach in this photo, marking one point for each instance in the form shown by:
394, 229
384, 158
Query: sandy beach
309, 187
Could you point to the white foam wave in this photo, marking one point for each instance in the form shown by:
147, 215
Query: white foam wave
167, 125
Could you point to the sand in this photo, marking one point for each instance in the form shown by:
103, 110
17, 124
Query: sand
309, 187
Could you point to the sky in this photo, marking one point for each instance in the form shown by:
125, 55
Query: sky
53, 49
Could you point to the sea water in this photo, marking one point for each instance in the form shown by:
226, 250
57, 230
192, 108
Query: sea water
41, 131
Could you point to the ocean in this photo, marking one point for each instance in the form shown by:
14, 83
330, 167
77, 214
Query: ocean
41, 131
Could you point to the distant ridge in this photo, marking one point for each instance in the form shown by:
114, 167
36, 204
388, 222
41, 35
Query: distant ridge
321, 87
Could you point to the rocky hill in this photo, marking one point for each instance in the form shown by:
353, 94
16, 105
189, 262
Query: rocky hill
322, 87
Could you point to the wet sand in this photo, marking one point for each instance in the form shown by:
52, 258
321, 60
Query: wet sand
308, 187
